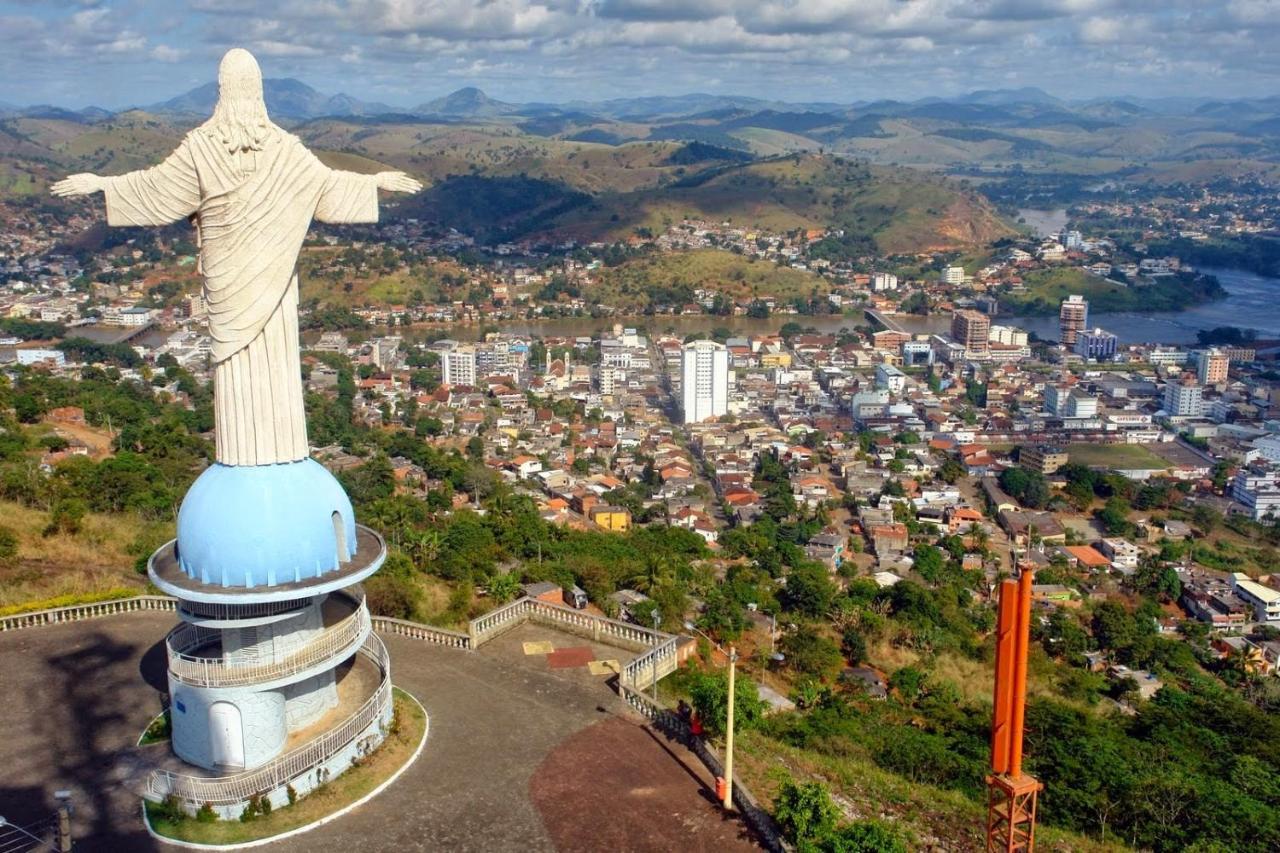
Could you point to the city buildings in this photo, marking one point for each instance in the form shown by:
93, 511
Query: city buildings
1069, 403
704, 380
1264, 600
916, 353
1042, 457
1211, 366
1095, 344
1073, 317
1009, 336
882, 281
953, 275
1184, 398
458, 364
972, 330
890, 378
1257, 489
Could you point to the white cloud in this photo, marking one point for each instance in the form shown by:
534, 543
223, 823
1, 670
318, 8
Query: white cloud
165, 53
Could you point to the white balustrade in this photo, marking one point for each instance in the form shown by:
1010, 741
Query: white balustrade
78, 612
418, 631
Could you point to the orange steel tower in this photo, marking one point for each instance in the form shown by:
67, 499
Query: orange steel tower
1011, 794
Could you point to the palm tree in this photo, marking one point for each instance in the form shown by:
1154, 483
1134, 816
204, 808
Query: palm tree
423, 546
503, 587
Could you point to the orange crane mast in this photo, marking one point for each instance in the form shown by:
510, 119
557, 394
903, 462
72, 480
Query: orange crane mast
1011, 794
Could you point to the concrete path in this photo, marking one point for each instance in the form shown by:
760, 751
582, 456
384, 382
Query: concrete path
515, 747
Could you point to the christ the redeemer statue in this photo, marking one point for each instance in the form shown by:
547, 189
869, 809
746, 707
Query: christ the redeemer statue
252, 190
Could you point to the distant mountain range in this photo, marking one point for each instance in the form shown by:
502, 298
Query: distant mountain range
292, 99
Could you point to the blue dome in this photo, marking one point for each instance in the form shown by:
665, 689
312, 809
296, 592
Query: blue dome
262, 525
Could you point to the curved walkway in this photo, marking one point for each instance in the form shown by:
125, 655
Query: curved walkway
88, 688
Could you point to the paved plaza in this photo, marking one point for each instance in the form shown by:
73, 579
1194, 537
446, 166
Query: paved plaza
521, 755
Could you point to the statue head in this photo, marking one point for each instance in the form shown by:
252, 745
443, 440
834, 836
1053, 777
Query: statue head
240, 119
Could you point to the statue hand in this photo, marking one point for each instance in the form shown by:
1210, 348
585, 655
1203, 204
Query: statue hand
397, 182
81, 184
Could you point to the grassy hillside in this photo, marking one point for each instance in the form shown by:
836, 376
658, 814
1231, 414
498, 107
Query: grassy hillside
932, 817
672, 277
491, 179
1047, 288
96, 560
902, 210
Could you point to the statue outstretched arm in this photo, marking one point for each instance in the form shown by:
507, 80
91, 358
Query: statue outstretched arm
168, 192
351, 198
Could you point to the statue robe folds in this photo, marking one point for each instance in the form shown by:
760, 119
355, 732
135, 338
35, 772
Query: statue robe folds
252, 211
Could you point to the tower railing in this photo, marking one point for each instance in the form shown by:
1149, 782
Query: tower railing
236, 788
339, 639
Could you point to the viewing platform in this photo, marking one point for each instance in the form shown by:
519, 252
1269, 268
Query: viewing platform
196, 655
166, 573
314, 749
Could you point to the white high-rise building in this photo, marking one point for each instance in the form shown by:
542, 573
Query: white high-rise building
458, 365
884, 281
704, 380
1184, 399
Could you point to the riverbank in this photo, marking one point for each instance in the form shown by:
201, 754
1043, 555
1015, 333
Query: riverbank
1045, 290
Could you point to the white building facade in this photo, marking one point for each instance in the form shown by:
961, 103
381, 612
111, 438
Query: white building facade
704, 380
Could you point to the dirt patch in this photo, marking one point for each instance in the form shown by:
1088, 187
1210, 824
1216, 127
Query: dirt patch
570, 657
618, 785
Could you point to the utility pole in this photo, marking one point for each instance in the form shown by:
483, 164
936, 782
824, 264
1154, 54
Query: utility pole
726, 793
657, 620
728, 738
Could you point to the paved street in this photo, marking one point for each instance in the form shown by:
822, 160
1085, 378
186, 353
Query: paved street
515, 749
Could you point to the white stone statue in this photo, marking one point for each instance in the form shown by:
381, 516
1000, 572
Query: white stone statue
251, 190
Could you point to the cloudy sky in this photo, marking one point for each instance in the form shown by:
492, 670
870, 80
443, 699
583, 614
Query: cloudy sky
114, 54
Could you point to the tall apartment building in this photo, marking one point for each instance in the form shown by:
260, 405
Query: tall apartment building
1073, 317
1096, 344
704, 380
1211, 366
953, 275
458, 365
884, 281
971, 329
1184, 398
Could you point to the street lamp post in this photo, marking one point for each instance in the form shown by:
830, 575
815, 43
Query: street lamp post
732, 655
728, 737
657, 620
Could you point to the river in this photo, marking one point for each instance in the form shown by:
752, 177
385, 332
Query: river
1044, 223
1251, 303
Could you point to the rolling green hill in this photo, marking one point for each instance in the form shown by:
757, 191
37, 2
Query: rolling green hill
488, 178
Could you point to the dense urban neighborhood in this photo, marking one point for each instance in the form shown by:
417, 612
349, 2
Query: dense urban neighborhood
788, 441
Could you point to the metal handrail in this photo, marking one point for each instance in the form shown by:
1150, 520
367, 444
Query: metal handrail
229, 790
215, 672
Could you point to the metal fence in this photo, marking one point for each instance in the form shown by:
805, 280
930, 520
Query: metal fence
333, 643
